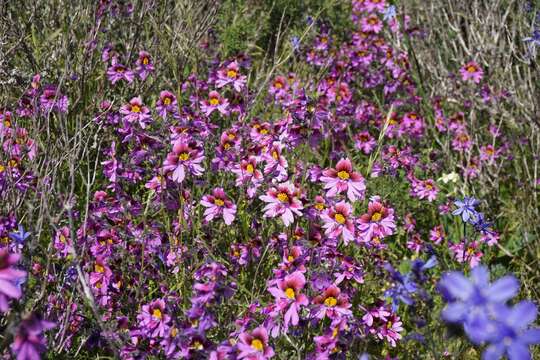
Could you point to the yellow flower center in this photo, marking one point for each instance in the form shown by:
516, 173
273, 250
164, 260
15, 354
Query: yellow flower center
330, 301
174, 332
167, 101
197, 345
471, 69
98, 268
2, 168
219, 202
214, 101
283, 197
290, 293
250, 169
263, 131
156, 313
278, 85
275, 155
135, 108
257, 344
226, 146
12, 163
290, 258
62, 238
231, 74
183, 156
343, 175
319, 206
7, 123
376, 216
335, 332
340, 218
145, 60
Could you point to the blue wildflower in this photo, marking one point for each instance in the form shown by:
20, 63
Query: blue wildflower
512, 335
389, 13
466, 208
20, 236
295, 42
471, 301
481, 225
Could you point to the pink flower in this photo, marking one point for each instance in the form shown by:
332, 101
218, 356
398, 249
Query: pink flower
424, 189
136, 111
153, 320
231, 75
437, 234
144, 65
62, 241
166, 104
471, 71
377, 222
282, 201
337, 221
279, 86
343, 178
471, 254
254, 345
332, 303
183, 157
119, 72
218, 204
215, 102
10, 278
391, 330
365, 142
287, 293
372, 23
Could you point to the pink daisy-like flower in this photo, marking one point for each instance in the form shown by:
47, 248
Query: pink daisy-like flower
231, 75
218, 204
254, 345
183, 157
287, 293
119, 72
153, 320
365, 142
282, 201
215, 102
332, 303
166, 104
337, 221
372, 23
437, 234
136, 111
279, 85
377, 222
144, 65
471, 71
343, 178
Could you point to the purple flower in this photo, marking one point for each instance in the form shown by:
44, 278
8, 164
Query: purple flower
254, 345
466, 208
51, 99
184, 156
282, 201
29, 341
344, 179
10, 278
218, 204
153, 320
19, 236
136, 111
119, 72
144, 65
166, 104
288, 295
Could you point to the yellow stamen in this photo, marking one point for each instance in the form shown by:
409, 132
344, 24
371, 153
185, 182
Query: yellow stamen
219, 202
340, 218
275, 155
156, 313
290, 258
250, 169
231, 74
376, 216
257, 344
343, 175
214, 101
167, 101
290, 293
183, 156
283, 197
330, 301
98, 268
319, 206
135, 108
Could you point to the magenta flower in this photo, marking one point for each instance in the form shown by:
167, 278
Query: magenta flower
279, 86
29, 341
136, 111
183, 157
377, 222
144, 65
282, 201
52, 99
365, 142
254, 345
332, 303
153, 320
287, 293
166, 104
62, 241
372, 23
391, 330
437, 234
343, 178
215, 102
337, 221
218, 204
231, 75
424, 189
471, 71
119, 72
10, 278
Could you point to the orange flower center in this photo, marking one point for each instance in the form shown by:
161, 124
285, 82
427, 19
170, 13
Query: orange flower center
145, 60
283, 197
471, 69
98, 268
275, 155
231, 74
376, 216
167, 101
214, 101
135, 108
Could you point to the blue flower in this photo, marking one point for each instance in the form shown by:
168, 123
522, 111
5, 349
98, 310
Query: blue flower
511, 335
20, 236
295, 42
480, 224
389, 13
466, 208
472, 301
